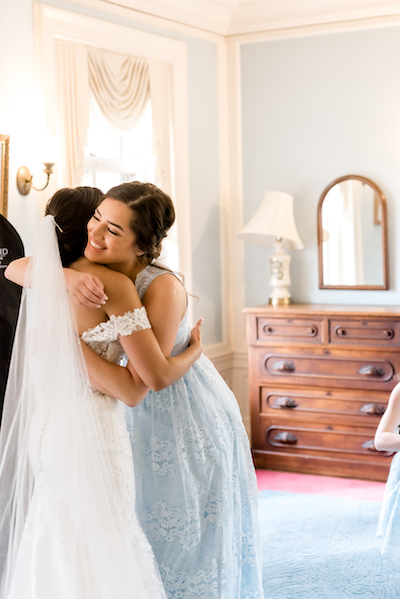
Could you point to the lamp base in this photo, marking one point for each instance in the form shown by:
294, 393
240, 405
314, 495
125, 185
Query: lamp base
280, 301
280, 278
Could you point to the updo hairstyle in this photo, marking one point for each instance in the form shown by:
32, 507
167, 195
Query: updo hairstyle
153, 215
72, 208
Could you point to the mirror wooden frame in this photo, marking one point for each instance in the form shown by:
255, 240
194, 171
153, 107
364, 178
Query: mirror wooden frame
4, 166
383, 219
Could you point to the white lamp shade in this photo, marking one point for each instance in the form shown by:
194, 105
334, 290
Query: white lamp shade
274, 218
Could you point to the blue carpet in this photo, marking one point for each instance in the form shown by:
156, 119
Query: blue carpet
317, 547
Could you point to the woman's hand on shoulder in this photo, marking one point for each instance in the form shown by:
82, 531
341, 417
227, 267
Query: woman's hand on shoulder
96, 284
84, 288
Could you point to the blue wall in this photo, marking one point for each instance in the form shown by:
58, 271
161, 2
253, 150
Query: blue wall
314, 109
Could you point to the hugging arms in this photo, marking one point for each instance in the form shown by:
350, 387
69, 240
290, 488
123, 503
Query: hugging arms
149, 365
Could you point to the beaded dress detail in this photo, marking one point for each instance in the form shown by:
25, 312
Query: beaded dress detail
196, 491
104, 340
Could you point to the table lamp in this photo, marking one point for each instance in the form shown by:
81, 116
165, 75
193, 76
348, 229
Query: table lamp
273, 225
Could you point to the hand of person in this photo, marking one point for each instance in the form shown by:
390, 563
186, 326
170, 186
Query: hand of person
195, 337
85, 289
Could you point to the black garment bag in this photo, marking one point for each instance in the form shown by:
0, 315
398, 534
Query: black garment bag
11, 247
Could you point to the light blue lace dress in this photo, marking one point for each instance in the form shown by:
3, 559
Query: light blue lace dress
389, 519
195, 482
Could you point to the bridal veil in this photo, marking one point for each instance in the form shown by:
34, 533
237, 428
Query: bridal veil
60, 512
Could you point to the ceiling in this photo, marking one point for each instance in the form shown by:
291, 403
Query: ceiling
236, 17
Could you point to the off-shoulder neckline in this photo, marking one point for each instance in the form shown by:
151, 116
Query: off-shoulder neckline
107, 324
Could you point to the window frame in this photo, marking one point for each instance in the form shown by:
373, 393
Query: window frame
51, 24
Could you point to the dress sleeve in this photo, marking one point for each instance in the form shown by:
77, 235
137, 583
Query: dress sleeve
130, 322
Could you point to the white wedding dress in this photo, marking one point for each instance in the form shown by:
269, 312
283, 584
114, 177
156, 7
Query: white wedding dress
71, 530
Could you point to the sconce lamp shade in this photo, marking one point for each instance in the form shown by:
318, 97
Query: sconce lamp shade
274, 218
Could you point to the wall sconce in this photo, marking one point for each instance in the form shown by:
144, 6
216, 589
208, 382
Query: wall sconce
24, 178
273, 224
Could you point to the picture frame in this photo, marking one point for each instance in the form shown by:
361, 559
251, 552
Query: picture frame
4, 173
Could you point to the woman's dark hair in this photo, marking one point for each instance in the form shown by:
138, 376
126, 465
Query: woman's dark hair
153, 215
72, 209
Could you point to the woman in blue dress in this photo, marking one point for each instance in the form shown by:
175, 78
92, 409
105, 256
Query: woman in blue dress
388, 439
195, 481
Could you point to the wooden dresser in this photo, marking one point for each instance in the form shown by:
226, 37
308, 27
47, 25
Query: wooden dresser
320, 378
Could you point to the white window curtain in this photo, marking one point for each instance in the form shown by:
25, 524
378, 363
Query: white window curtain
73, 103
122, 86
161, 94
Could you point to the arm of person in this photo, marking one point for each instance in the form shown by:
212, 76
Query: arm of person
16, 270
385, 437
149, 356
151, 362
114, 380
84, 288
165, 301
124, 382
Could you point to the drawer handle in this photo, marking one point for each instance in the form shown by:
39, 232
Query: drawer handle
283, 366
373, 408
371, 370
268, 329
369, 445
312, 331
389, 333
286, 438
286, 402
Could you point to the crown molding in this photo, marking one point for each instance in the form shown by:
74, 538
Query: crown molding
240, 17
202, 16
317, 29
257, 16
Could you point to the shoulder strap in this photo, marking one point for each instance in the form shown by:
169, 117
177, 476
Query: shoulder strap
147, 276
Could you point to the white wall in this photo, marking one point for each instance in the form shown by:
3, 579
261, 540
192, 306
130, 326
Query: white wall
313, 109
18, 108
21, 117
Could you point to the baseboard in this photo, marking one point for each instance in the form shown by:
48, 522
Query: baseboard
233, 367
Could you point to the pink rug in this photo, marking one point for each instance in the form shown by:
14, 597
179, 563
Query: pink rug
293, 482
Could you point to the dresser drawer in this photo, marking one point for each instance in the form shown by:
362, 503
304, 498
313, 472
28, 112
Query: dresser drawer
329, 368
351, 444
320, 377
383, 333
294, 403
289, 330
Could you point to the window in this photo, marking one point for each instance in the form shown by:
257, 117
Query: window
113, 157
53, 24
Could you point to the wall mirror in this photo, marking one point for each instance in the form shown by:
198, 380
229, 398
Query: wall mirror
352, 235
4, 158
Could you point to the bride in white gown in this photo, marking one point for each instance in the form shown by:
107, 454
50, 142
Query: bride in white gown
67, 524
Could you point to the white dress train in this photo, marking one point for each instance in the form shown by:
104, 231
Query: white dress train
68, 528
